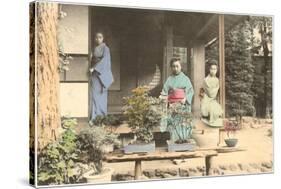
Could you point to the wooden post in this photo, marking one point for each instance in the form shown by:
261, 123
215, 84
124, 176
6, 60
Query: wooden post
208, 164
222, 62
168, 52
138, 171
197, 74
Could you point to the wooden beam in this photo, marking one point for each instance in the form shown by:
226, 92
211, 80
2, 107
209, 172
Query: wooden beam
210, 21
158, 156
222, 62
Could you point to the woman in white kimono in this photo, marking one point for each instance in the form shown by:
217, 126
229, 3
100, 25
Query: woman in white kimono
211, 110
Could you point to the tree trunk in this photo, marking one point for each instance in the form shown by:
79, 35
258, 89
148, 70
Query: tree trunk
263, 31
31, 93
47, 73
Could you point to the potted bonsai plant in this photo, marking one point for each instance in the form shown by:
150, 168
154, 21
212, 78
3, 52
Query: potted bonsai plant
142, 113
231, 127
178, 121
90, 142
107, 122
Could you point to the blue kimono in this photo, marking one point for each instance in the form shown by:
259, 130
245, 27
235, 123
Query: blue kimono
101, 79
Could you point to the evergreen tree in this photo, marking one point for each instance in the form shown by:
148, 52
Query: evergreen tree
239, 71
261, 46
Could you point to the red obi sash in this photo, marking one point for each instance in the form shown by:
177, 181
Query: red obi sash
176, 95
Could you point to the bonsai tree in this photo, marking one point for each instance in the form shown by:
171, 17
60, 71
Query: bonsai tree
143, 113
231, 126
178, 121
90, 142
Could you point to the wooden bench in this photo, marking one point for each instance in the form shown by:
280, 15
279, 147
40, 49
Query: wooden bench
207, 154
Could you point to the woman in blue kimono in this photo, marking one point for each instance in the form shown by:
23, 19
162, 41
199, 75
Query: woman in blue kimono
101, 77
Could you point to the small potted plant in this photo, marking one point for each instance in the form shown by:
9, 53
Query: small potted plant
108, 122
178, 121
142, 113
231, 127
90, 142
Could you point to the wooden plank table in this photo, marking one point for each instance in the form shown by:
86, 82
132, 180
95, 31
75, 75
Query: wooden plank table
207, 154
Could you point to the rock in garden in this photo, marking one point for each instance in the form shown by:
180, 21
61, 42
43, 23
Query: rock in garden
172, 172
149, 173
201, 168
183, 172
158, 172
233, 167
178, 161
268, 121
223, 167
166, 175
254, 165
255, 126
267, 165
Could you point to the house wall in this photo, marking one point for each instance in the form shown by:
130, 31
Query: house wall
73, 36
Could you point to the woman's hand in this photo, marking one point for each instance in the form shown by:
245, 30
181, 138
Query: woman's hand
91, 70
183, 101
201, 93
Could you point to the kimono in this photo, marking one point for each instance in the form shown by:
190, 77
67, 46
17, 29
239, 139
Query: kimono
180, 81
101, 79
210, 108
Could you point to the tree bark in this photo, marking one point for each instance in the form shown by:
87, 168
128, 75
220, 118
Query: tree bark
263, 32
47, 73
31, 93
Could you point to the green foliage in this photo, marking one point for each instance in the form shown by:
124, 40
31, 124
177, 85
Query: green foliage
245, 85
179, 122
239, 71
68, 122
64, 59
264, 27
142, 112
261, 46
109, 120
90, 143
56, 160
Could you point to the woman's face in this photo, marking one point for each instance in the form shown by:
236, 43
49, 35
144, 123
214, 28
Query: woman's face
213, 70
176, 67
99, 38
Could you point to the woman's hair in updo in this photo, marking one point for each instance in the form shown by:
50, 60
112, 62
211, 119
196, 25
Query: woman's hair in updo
173, 60
213, 62
100, 32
